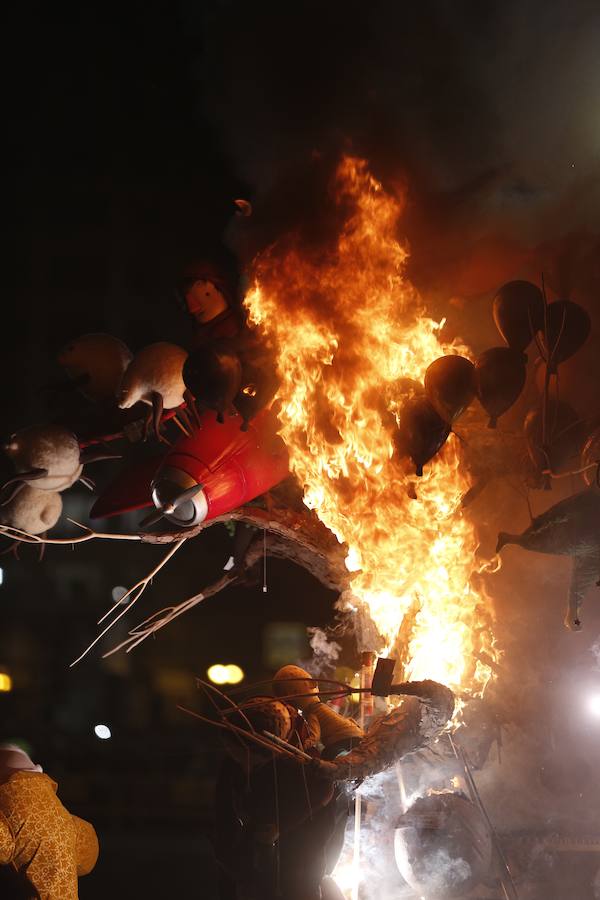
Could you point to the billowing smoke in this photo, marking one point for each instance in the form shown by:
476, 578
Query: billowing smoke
486, 114
325, 653
595, 651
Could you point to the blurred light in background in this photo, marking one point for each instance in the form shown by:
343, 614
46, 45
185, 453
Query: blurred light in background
5, 682
236, 674
118, 593
229, 674
1, 575
217, 674
102, 732
283, 641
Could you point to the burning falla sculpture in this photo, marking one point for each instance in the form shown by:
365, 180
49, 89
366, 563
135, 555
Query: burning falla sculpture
343, 340
280, 826
569, 528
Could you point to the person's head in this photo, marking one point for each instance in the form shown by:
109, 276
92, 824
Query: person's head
14, 759
292, 681
204, 300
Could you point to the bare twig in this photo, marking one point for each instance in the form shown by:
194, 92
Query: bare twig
264, 742
17, 534
165, 616
572, 472
134, 593
210, 689
284, 745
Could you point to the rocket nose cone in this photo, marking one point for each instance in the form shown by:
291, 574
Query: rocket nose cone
180, 498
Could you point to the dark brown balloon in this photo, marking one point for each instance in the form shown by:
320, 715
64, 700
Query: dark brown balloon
565, 433
569, 326
213, 374
591, 454
450, 385
518, 313
500, 376
421, 433
258, 389
577, 379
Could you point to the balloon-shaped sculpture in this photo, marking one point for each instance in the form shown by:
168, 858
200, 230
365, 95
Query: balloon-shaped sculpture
519, 313
450, 386
96, 363
421, 433
568, 327
258, 389
48, 455
590, 455
213, 374
575, 381
154, 376
32, 510
565, 432
499, 376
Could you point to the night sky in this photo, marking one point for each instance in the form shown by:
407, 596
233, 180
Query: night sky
131, 128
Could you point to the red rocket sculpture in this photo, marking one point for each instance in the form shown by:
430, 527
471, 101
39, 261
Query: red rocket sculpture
212, 472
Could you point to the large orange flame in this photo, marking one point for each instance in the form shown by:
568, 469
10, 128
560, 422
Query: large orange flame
351, 337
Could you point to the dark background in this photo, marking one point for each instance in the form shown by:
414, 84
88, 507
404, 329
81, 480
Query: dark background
131, 128
117, 179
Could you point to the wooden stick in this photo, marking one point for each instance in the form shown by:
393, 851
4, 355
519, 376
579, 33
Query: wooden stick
267, 745
181, 426
285, 746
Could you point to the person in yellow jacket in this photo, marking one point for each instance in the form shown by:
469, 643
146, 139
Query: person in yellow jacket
39, 838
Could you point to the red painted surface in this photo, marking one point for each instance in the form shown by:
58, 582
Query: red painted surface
129, 491
233, 466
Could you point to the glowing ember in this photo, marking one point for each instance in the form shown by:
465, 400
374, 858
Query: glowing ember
349, 331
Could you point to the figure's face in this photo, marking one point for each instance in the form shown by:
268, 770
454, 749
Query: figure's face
205, 301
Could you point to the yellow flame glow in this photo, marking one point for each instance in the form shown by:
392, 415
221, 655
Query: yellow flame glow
351, 337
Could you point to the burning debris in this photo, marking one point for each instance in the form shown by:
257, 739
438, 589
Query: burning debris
294, 762
341, 360
337, 403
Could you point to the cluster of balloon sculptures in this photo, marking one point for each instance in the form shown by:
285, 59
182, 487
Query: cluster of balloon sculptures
133, 395
228, 371
553, 431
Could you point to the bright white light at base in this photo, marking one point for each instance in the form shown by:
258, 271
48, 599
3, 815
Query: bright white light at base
344, 876
102, 732
594, 705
